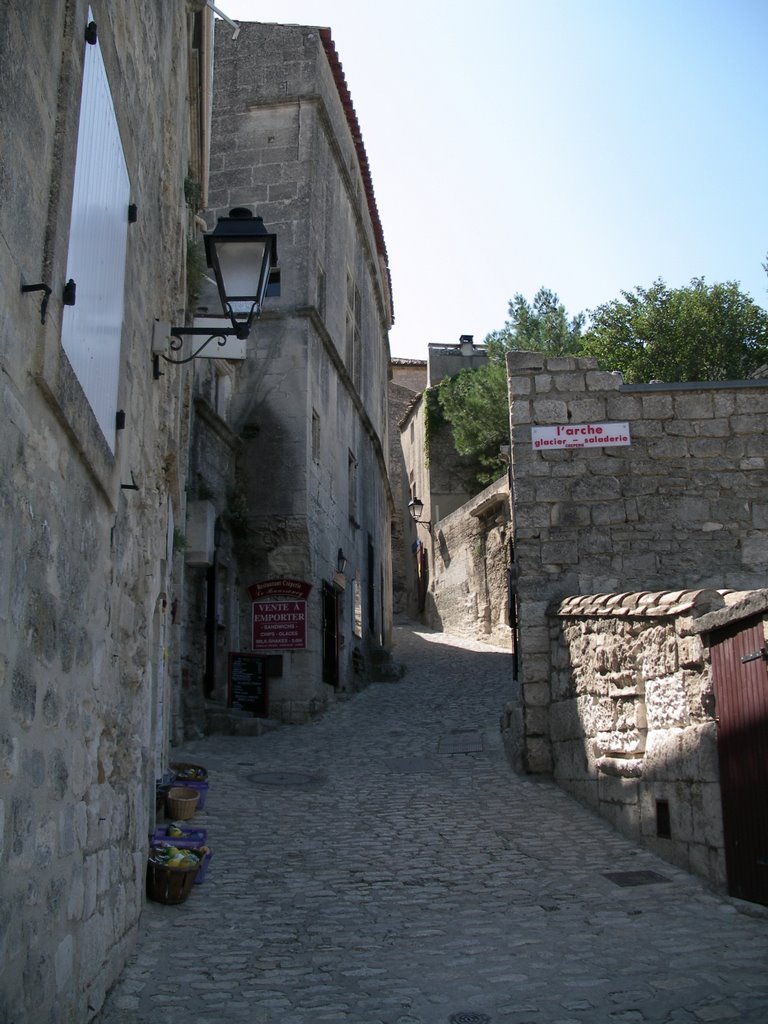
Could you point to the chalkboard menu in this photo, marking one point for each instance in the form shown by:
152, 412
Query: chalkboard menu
248, 683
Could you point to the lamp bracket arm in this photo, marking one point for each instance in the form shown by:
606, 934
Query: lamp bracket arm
178, 334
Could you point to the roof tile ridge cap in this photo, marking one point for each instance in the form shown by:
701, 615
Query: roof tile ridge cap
357, 136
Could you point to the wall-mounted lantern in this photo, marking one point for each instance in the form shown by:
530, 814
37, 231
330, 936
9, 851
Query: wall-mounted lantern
243, 256
339, 579
416, 508
241, 253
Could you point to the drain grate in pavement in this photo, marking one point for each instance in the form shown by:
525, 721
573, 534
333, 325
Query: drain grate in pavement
628, 878
303, 780
407, 765
469, 1018
460, 743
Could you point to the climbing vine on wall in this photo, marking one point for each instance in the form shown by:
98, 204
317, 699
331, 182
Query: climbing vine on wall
433, 418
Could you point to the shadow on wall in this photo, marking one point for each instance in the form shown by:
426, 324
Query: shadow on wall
638, 729
445, 553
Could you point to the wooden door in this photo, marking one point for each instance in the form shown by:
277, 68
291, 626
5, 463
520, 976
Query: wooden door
740, 677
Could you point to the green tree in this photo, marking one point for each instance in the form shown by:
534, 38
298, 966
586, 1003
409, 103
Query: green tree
700, 332
476, 402
538, 326
476, 405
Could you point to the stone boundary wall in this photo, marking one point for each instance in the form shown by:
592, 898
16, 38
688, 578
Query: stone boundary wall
630, 722
683, 506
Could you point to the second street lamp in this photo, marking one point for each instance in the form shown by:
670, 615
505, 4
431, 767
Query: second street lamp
416, 507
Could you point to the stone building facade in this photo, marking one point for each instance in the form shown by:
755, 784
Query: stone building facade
94, 221
448, 360
291, 446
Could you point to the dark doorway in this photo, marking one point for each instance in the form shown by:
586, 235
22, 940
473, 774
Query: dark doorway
371, 585
209, 676
740, 678
330, 600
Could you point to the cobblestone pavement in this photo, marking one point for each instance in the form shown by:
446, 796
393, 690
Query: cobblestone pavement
364, 873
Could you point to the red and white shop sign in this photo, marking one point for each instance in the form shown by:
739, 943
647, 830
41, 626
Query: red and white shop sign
279, 625
580, 435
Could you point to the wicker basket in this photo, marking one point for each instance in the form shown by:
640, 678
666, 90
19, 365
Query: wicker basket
181, 802
170, 885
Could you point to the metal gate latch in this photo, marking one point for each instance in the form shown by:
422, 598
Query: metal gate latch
762, 653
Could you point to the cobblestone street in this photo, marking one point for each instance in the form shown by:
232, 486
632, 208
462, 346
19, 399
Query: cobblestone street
384, 865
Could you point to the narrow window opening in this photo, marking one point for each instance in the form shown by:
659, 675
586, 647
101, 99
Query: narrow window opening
315, 436
353, 331
320, 301
352, 488
663, 820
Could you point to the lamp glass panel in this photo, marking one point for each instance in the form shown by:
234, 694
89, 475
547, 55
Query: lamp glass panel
416, 507
241, 268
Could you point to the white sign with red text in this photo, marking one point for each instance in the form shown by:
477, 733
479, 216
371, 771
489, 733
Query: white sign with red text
580, 435
279, 625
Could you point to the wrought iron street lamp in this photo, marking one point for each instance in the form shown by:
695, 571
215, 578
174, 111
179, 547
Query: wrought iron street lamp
243, 257
416, 507
241, 253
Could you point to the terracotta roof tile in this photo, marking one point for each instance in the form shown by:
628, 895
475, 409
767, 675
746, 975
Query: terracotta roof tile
362, 157
665, 603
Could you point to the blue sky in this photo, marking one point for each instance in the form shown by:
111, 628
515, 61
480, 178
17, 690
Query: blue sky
584, 145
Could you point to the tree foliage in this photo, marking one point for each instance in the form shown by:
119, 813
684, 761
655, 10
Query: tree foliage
538, 326
476, 405
697, 333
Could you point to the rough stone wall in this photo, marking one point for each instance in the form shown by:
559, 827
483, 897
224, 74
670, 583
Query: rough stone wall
683, 506
87, 570
452, 477
403, 597
629, 721
468, 593
309, 414
408, 380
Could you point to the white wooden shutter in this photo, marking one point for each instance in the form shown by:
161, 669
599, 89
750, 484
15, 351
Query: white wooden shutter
91, 329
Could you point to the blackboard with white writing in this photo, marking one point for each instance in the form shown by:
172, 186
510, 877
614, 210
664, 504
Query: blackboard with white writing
247, 689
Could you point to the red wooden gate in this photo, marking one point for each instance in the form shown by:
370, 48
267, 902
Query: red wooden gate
740, 677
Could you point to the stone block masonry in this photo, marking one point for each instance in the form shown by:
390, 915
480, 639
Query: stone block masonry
90, 495
296, 463
629, 720
681, 506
